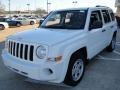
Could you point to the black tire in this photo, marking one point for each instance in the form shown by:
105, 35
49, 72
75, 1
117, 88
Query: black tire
2, 27
111, 47
18, 24
32, 22
70, 78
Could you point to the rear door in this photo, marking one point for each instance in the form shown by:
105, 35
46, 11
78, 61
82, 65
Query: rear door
113, 26
108, 27
25, 21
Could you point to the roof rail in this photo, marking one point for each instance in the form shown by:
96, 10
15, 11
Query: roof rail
100, 6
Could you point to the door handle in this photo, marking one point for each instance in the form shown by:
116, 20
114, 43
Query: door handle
103, 30
111, 26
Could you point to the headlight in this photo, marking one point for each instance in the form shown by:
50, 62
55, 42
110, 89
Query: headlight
41, 52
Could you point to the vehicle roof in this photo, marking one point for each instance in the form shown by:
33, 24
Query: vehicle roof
85, 8
21, 17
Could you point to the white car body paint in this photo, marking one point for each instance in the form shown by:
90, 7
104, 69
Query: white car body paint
58, 43
5, 24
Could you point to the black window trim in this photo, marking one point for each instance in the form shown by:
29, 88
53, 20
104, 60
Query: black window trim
101, 17
112, 17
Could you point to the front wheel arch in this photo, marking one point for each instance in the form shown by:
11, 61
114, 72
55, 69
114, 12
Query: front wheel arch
81, 52
115, 34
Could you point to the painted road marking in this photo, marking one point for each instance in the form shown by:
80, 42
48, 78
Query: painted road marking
109, 59
118, 42
100, 57
116, 52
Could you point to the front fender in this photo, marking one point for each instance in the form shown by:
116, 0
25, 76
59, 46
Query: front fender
68, 51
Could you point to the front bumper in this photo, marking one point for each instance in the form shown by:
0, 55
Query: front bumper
6, 26
47, 71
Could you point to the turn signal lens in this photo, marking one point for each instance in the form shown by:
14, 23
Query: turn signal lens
57, 59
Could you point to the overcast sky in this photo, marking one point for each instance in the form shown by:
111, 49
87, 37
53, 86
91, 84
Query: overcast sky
56, 4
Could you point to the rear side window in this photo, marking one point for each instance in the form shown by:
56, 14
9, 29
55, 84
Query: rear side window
112, 16
106, 16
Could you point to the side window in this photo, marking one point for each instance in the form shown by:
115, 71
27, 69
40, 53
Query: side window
106, 16
24, 19
95, 20
112, 16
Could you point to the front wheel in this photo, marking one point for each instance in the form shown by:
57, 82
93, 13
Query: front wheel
111, 47
75, 71
2, 27
32, 23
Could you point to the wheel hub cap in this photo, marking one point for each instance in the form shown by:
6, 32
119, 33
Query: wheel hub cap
77, 70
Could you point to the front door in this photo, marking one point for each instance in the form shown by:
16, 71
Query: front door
95, 35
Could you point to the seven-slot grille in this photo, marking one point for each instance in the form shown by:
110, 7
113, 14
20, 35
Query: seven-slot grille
22, 51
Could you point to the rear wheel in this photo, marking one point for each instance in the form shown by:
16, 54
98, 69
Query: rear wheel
76, 70
111, 47
2, 27
32, 23
18, 25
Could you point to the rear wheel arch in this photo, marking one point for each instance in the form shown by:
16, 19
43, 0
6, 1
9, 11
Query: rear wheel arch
111, 46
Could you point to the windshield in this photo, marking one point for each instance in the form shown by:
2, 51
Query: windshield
71, 19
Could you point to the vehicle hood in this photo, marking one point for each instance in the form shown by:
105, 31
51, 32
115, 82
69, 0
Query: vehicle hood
45, 36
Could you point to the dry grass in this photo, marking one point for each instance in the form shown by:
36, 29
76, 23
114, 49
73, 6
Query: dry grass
5, 33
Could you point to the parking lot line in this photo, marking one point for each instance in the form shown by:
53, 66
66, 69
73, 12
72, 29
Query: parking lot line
104, 58
101, 57
118, 44
116, 52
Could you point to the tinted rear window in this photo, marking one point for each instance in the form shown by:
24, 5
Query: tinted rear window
106, 16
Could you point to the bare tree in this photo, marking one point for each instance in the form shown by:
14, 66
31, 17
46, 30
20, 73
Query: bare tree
40, 12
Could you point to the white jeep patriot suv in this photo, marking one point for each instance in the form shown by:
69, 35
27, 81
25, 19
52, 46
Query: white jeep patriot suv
59, 49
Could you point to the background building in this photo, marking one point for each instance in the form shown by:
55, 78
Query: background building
117, 4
